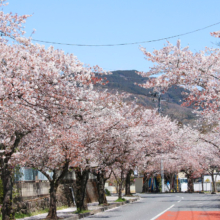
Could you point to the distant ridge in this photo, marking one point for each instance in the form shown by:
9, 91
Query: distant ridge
123, 81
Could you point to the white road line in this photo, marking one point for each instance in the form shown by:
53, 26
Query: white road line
182, 197
179, 201
162, 212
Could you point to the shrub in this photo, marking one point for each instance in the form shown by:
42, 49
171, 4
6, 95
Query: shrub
107, 192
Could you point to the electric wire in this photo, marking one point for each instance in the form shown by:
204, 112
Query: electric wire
124, 44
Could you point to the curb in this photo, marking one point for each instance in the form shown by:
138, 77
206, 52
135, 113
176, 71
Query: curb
102, 209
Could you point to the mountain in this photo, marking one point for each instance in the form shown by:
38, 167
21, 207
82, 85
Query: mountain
123, 81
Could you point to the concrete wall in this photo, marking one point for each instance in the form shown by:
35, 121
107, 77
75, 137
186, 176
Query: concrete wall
138, 185
206, 186
217, 178
34, 196
112, 189
132, 189
29, 174
91, 191
33, 189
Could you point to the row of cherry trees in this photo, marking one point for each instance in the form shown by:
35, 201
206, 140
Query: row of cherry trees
198, 73
53, 120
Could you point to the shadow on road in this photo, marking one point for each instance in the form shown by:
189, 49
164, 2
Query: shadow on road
205, 206
216, 215
154, 197
96, 216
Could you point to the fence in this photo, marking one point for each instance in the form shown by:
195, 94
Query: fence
206, 187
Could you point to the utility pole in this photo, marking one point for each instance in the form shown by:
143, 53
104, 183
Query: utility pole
158, 95
159, 99
161, 169
177, 186
162, 176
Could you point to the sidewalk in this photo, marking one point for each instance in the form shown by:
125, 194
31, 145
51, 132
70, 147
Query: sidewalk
67, 214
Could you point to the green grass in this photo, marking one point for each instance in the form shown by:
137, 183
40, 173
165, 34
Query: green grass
20, 215
107, 192
81, 212
62, 207
120, 200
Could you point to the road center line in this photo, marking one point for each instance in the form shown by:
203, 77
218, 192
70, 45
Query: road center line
179, 200
162, 212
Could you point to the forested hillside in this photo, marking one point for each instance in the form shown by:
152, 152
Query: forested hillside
124, 81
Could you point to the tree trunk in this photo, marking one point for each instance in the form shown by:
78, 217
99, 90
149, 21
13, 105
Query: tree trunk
128, 183
202, 184
101, 187
7, 210
213, 183
190, 184
7, 174
145, 185
58, 175
172, 179
120, 190
117, 187
151, 184
52, 214
80, 189
120, 185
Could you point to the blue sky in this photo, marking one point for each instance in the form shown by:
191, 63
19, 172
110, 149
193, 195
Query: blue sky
119, 21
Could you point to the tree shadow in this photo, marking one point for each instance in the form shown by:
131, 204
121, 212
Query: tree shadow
106, 216
205, 206
154, 197
210, 214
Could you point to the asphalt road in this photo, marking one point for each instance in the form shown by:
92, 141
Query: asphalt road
181, 206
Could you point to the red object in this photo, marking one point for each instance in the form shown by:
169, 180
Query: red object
190, 215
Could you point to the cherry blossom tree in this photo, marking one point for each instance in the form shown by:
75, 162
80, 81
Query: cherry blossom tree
171, 168
199, 74
52, 155
96, 139
209, 153
113, 145
38, 86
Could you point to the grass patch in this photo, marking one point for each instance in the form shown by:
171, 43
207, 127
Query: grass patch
20, 215
120, 200
81, 212
63, 207
107, 192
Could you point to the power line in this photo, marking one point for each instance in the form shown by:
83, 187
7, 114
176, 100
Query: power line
124, 44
